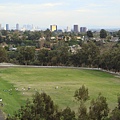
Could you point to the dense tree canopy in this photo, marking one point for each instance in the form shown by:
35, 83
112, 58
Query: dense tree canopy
103, 33
26, 55
63, 52
3, 55
89, 34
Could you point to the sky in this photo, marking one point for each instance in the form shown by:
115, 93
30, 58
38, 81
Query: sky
63, 13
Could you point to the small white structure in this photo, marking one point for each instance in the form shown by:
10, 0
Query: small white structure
0, 99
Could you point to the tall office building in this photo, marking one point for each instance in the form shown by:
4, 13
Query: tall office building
17, 26
53, 28
7, 26
83, 29
75, 29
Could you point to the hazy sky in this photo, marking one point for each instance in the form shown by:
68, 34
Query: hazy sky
42, 13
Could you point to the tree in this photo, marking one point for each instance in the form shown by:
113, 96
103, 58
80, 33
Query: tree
63, 55
103, 33
3, 55
89, 34
118, 33
99, 108
4, 32
33, 35
41, 108
26, 55
48, 34
81, 94
42, 56
115, 115
67, 114
110, 60
88, 54
15, 39
82, 111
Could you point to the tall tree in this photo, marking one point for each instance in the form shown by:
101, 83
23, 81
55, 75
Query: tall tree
82, 94
99, 108
89, 34
47, 34
41, 108
3, 55
89, 54
82, 112
103, 33
67, 114
115, 114
42, 56
26, 55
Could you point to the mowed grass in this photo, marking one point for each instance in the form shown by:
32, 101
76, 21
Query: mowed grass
59, 83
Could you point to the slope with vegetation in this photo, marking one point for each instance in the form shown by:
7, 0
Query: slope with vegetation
18, 84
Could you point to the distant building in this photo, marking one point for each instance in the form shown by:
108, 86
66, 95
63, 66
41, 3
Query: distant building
7, 26
75, 29
68, 29
53, 28
83, 29
114, 39
17, 26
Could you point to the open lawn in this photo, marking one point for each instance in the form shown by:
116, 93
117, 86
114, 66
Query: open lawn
18, 84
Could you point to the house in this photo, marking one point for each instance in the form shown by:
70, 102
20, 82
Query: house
11, 48
53, 38
74, 48
114, 39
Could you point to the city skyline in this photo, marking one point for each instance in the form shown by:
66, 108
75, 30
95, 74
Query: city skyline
90, 13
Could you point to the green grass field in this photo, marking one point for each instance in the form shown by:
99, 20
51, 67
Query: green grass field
59, 83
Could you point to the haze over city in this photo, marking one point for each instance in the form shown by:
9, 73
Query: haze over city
43, 13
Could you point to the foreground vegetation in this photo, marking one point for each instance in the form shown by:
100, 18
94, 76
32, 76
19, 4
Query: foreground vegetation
18, 84
43, 107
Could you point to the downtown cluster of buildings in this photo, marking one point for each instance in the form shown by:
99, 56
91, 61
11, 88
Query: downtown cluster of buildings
7, 27
53, 28
75, 29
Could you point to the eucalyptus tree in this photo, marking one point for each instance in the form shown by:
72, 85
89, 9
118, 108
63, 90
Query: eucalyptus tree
103, 33
26, 55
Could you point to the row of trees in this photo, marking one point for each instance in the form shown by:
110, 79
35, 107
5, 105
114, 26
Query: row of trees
88, 56
42, 107
103, 33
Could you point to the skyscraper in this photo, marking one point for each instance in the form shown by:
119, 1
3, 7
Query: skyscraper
75, 29
7, 26
53, 28
83, 29
17, 26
